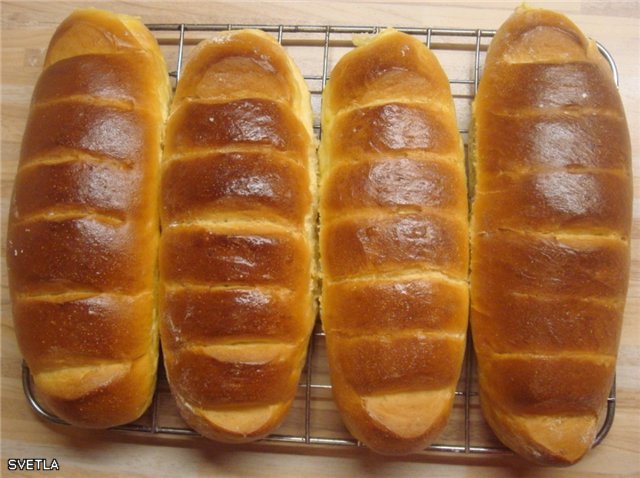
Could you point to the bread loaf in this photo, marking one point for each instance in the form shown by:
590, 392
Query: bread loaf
83, 226
393, 242
237, 247
550, 235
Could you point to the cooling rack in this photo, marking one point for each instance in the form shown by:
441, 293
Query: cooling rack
314, 419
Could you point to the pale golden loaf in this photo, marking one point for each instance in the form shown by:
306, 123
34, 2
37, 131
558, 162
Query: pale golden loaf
83, 226
237, 298
393, 242
550, 235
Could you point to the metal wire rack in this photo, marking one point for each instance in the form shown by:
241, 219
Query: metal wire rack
313, 419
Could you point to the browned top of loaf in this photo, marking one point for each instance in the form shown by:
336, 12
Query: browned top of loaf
235, 256
121, 76
83, 224
244, 122
392, 128
552, 205
393, 146
393, 242
550, 228
89, 154
263, 183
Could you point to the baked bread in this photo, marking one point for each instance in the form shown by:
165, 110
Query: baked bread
83, 225
237, 247
393, 242
550, 235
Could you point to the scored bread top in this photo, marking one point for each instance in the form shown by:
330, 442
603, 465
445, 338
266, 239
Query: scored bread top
232, 66
386, 70
89, 31
83, 229
236, 260
393, 242
550, 227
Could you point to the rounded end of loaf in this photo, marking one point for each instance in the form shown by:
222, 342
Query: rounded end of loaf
235, 394
533, 32
399, 423
91, 31
388, 67
241, 64
537, 35
233, 424
99, 54
543, 439
100, 396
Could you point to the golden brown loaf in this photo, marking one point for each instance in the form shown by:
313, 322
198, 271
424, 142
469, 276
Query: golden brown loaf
83, 227
393, 242
237, 247
550, 235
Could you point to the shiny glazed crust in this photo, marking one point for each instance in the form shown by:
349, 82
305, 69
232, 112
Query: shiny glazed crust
237, 249
83, 227
550, 235
393, 242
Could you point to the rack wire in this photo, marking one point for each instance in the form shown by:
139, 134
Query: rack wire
314, 419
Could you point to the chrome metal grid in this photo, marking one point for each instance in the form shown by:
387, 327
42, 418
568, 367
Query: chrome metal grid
313, 419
